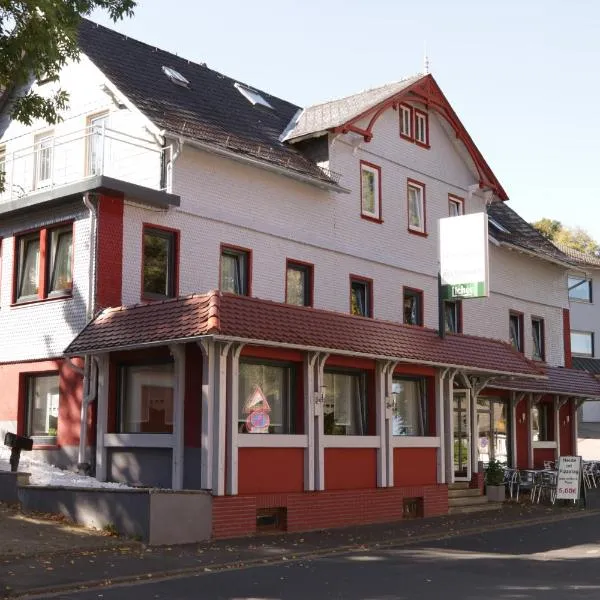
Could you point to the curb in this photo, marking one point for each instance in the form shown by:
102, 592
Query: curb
42, 592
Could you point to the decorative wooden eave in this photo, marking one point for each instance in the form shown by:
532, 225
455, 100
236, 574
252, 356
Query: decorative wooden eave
426, 91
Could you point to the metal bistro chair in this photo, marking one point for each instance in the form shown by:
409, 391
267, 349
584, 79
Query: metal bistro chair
525, 481
545, 485
511, 477
589, 474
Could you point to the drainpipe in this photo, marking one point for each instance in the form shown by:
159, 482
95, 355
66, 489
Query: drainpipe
171, 163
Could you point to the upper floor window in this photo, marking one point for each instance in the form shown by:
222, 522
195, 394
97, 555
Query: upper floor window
96, 136
44, 264
421, 128
453, 316
235, 270
43, 148
580, 289
413, 306
361, 294
416, 206
266, 398
582, 343
515, 330
43, 396
159, 263
456, 206
298, 283
345, 403
147, 398
406, 122
370, 191
537, 335
409, 412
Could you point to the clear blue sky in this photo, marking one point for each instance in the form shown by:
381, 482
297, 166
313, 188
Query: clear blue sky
522, 75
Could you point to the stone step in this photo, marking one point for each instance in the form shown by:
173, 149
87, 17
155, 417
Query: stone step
459, 485
461, 493
467, 501
456, 510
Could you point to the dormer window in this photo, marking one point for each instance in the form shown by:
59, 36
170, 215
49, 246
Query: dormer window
176, 77
406, 117
421, 128
251, 95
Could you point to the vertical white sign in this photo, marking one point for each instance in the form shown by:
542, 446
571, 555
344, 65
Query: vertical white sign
569, 478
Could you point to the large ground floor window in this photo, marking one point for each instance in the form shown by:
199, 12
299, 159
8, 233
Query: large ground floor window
492, 432
345, 404
409, 413
43, 395
146, 398
266, 398
542, 422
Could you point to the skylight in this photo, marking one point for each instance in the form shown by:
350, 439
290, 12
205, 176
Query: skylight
251, 95
175, 76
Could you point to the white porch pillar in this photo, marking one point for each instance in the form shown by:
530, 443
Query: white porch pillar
386, 438
381, 394
102, 416
556, 404
448, 430
220, 418
529, 405
233, 392
441, 394
574, 412
318, 420
178, 353
207, 436
310, 393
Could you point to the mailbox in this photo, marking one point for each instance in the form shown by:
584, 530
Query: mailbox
16, 443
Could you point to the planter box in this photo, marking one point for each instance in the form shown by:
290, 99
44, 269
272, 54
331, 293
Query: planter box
495, 493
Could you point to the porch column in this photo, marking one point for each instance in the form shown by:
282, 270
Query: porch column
233, 392
310, 393
448, 434
441, 393
220, 418
208, 383
383, 406
574, 412
556, 406
102, 416
178, 353
318, 421
529, 405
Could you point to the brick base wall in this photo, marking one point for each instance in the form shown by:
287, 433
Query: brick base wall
235, 516
477, 481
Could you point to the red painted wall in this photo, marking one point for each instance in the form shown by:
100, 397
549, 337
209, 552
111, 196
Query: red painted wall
192, 420
350, 468
566, 429
109, 276
270, 470
415, 466
522, 434
542, 454
13, 396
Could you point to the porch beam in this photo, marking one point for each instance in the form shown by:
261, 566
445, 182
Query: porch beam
177, 454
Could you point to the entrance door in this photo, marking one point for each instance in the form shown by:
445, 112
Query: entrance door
461, 435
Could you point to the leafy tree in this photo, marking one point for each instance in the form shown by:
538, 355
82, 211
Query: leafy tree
37, 38
573, 237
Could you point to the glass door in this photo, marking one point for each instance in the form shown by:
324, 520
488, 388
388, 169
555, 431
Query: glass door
461, 435
492, 433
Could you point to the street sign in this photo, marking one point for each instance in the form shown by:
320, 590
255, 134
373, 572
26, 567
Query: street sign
464, 267
569, 478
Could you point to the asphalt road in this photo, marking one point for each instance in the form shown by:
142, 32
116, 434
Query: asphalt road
556, 561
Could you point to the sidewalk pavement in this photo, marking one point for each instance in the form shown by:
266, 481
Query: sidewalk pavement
39, 556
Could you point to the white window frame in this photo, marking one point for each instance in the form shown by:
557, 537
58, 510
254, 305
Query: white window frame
406, 118
376, 172
421, 127
457, 202
589, 334
582, 280
537, 323
39, 182
419, 188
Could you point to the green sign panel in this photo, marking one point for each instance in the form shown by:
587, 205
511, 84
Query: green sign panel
473, 289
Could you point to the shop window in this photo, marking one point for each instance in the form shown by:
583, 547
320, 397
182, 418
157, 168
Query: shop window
515, 330
43, 397
147, 398
453, 316
409, 412
370, 191
235, 271
492, 439
298, 283
44, 263
582, 343
416, 207
537, 334
541, 422
413, 306
456, 206
160, 263
361, 297
580, 289
345, 403
266, 398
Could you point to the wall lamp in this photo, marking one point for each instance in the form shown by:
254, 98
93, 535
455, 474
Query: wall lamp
523, 418
567, 420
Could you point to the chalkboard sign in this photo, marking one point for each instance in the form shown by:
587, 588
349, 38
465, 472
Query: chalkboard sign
568, 485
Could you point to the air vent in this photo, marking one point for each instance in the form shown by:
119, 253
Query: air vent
176, 77
251, 95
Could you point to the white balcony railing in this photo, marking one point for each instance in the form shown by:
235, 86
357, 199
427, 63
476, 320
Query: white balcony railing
55, 161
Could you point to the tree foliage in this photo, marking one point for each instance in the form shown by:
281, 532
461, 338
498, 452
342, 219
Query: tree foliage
37, 38
572, 237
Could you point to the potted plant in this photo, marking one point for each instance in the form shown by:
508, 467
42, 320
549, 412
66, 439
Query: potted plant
494, 482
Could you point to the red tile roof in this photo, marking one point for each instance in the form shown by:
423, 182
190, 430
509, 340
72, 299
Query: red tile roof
239, 317
561, 381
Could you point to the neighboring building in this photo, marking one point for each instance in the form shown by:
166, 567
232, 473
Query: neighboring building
314, 383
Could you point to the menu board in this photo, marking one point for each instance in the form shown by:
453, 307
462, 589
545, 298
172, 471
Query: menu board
569, 478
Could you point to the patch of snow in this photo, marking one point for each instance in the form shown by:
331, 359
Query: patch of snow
43, 474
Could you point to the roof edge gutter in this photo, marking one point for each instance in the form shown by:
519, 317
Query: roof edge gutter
555, 261
332, 187
549, 392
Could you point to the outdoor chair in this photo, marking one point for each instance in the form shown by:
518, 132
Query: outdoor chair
525, 482
511, 478
545, 486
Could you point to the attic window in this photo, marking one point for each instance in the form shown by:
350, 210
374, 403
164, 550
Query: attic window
497, 225
251, 95
175, 76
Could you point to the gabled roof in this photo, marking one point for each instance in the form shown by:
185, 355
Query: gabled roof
591, 365
517, 233
211, 110
581, 259
560, 381
264, 322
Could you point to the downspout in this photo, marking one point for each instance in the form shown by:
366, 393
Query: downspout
90, 376
171, 163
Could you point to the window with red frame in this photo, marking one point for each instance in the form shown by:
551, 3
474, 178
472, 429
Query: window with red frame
416, 206
361, 297
406, 118
413, 307
421, 128
159, 263
44, 264
515, 324
453, 316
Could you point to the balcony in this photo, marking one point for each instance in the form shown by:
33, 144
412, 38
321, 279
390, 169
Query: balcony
92, 159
